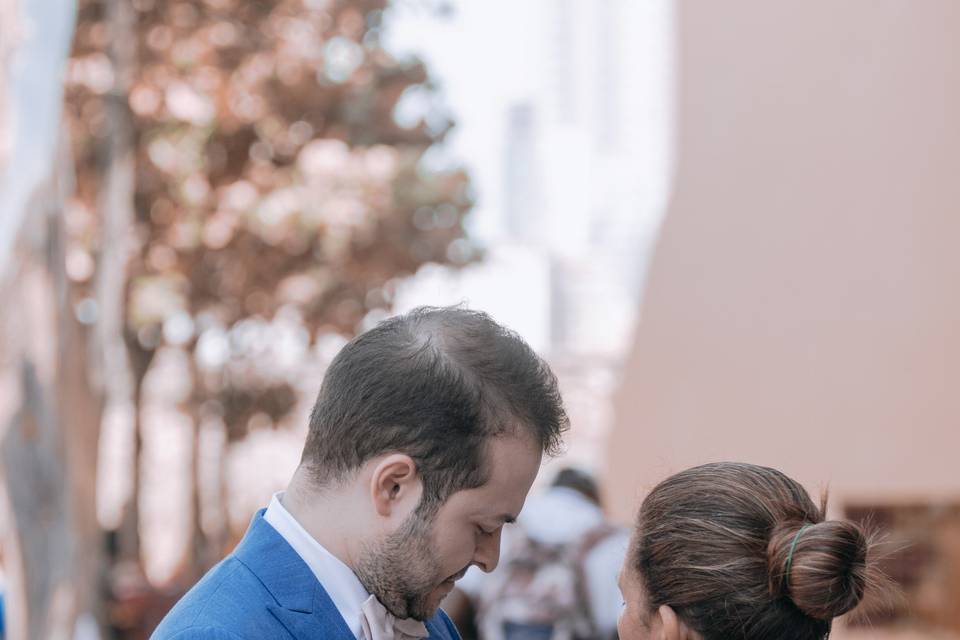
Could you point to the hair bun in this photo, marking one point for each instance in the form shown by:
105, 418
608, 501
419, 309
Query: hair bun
828, 571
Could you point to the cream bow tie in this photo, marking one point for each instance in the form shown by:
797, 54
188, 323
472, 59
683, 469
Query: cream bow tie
380, 624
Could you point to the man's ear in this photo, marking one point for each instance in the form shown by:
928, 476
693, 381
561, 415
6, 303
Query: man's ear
672, 627
395, 485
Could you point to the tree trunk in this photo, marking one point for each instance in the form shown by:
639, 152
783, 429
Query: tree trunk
125, 363
9, 33
225, 535
52, 370
50, 417
200, 545
129, 532
49, 448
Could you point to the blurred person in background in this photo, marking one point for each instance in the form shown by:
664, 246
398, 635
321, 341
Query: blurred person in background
557, 578
426, 436
731, 551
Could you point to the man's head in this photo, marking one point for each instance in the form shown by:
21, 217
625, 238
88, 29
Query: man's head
436, 421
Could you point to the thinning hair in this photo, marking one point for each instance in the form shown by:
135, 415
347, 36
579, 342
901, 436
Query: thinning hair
436, 384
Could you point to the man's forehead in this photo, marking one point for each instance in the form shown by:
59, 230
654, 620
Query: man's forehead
490, 504
512, 459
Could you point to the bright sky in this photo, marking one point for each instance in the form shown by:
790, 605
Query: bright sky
482, 57
596, 200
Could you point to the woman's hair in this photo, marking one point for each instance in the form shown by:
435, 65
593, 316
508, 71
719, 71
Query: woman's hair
741, 552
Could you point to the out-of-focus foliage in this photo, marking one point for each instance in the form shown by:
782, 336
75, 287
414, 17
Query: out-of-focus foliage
275, 156
278, 177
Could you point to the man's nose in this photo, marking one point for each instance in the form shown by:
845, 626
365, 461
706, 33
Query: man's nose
487, 555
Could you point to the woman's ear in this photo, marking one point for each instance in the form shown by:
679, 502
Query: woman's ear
394, 485
672, 627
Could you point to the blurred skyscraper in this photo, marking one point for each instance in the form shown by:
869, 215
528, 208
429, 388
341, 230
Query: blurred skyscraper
564, 119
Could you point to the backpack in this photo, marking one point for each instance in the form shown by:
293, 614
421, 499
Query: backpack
540, 593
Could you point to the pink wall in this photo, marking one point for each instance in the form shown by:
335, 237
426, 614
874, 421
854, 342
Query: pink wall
803, 304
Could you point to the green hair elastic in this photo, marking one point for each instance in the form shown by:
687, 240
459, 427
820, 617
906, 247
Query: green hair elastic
793, 547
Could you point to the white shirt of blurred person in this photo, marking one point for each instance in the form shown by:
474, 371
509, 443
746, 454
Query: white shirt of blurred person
563, 515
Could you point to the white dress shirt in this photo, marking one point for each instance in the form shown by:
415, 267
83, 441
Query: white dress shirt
338, 580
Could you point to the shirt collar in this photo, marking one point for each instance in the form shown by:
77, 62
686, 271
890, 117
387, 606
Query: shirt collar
338, 580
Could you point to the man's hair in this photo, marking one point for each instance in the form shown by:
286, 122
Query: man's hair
435, 384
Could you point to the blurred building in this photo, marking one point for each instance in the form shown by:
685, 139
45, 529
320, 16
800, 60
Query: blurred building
802, 305
572, 173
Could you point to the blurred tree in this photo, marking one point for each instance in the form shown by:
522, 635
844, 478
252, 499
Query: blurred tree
279, 183
9, 25
51, 400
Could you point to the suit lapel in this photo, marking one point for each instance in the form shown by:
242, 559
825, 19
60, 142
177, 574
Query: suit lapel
323, 622
303, 606
442, 628
435, 629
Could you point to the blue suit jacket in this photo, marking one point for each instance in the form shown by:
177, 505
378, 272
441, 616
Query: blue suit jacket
265, 590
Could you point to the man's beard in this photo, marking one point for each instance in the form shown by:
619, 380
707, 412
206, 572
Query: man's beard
402, 572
